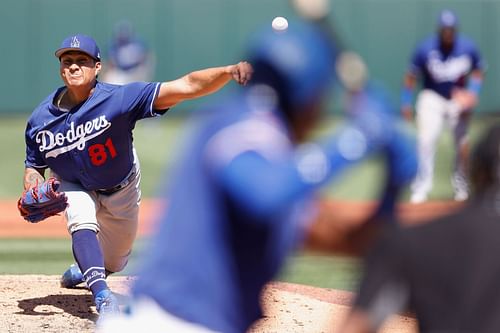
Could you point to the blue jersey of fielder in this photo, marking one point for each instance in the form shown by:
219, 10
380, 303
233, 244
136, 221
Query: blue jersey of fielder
237, 205
90, 144
440, 71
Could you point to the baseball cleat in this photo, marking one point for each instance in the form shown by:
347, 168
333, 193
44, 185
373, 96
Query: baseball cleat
106, 303
418, 198
461, 196
72, 277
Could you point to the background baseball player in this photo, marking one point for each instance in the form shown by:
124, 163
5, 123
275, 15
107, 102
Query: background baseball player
442, 270
83, 133
129, 57
451, 70
242, 191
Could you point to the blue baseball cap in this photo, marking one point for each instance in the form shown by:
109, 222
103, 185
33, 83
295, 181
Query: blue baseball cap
447, 19
80, 43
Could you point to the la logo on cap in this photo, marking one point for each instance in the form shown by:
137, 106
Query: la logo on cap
75, 42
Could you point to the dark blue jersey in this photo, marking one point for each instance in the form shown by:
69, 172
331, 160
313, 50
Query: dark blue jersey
441, 71
90, 144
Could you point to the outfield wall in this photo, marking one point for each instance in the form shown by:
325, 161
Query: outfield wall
191, 34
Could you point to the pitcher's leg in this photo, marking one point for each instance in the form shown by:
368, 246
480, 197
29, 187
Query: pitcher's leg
82, 224
118, 218
88, 255
80, 215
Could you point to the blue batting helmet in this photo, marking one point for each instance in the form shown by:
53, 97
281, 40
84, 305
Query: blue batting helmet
298, 62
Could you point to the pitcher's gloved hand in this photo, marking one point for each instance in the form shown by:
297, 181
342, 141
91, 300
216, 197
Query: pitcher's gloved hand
42, 201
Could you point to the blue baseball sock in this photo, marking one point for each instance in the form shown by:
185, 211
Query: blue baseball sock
88, 255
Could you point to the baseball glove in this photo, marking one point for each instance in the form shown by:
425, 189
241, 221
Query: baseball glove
42, 201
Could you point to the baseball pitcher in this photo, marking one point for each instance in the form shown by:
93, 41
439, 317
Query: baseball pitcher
82, 132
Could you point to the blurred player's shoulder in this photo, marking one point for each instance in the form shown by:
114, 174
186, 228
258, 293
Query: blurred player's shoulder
235, 109
236, 126
466, 43
429, 43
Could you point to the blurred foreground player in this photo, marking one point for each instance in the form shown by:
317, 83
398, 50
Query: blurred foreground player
446, 270
241, 194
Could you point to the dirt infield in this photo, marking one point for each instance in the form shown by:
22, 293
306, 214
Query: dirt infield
34, 303
30, 303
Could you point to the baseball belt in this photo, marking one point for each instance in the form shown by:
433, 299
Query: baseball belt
128, 179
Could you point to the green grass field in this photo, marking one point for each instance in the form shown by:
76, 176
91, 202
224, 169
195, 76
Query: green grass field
53, 256
157, 142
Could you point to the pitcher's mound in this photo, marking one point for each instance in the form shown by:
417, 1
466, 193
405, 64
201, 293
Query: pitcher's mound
36, 303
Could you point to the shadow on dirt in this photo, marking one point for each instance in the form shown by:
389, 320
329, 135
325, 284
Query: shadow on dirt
76, 305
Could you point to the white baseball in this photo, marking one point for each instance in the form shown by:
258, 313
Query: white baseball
280, 24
